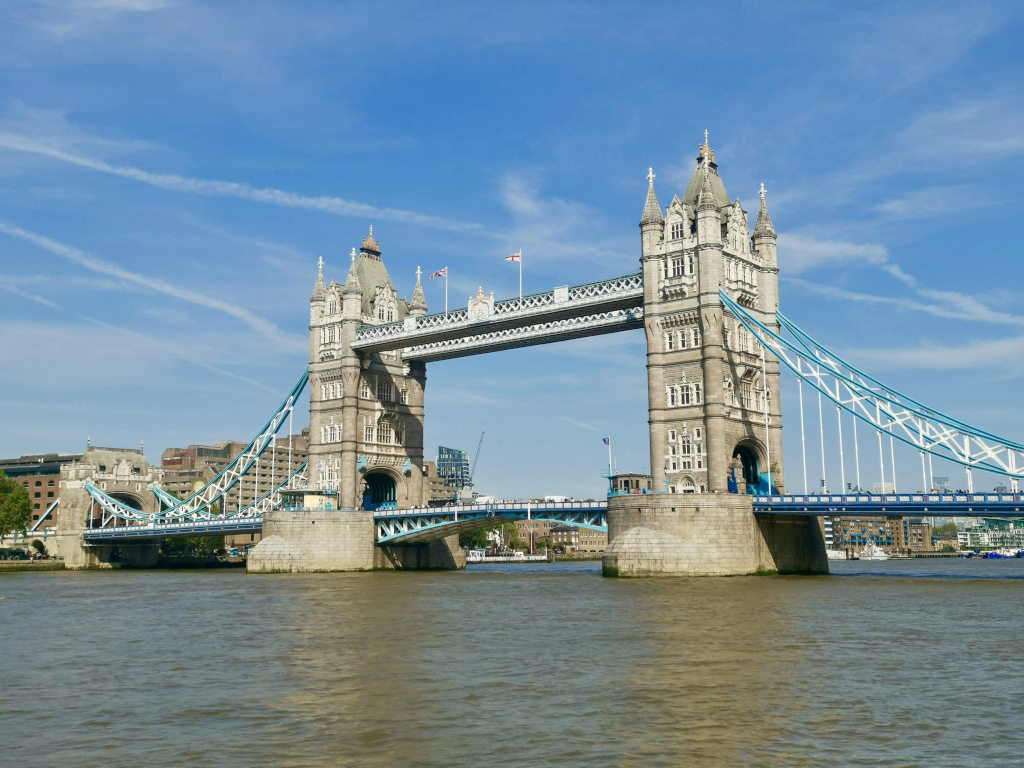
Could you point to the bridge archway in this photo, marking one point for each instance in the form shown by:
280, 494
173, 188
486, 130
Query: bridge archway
381, 491
751, 466
129, 499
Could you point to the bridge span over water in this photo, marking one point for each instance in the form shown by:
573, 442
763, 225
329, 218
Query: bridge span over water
719, 353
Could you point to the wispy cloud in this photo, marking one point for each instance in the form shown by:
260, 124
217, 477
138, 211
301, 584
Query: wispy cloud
946, 304
211, 188
580, 424
1003, 354
933, 201
801, 253
259, 324
30, 296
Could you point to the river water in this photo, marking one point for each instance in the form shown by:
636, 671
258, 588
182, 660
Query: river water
909, 663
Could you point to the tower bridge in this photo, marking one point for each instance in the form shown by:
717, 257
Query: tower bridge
706, 297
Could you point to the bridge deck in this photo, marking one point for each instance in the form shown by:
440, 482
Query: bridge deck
410, 526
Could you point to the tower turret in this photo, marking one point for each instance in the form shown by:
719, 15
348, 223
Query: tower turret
709, 219
316, 301
652, 223
418, 305
352, 293
764, 235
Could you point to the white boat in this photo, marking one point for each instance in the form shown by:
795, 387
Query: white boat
835, 554
873, 552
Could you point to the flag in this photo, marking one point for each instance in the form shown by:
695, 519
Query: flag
440, 273
607, 441
515, 257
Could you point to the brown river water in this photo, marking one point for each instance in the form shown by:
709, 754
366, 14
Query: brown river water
908, 663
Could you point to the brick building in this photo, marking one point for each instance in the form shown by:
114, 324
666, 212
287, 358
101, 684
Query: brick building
40, 474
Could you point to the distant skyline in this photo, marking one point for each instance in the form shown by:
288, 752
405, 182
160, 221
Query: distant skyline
171, 170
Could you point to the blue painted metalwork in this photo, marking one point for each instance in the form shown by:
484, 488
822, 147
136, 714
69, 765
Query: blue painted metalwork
883, 408
167, 530
932, 504
426, 524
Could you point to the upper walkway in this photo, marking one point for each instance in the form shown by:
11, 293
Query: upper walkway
567, 312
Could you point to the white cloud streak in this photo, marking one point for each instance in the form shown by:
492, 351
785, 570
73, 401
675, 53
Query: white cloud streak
258, 324
800, 253
211, 188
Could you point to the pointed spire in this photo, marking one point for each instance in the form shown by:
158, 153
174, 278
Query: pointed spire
763, 227
418, 305
352, 280
319, 289
652, 210
706, 199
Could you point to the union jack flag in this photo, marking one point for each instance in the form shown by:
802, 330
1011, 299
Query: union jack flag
440, 273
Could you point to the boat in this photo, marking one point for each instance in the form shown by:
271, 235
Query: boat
836, 554
873, 552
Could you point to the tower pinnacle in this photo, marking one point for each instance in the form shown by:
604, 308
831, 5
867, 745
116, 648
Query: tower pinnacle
763, 227
418, 304
652, 209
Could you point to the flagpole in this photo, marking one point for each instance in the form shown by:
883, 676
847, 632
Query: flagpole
446, 290
609, 461
520, 274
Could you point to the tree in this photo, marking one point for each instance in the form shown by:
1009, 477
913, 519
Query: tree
947, 528
15, 507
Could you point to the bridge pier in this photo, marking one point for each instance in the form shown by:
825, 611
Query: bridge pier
317, 540
709, 534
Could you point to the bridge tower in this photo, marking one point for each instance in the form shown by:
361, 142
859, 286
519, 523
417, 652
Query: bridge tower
714, 403
366, 433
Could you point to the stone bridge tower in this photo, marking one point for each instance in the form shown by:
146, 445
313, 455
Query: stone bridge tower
715, 410
366, 410
709, 393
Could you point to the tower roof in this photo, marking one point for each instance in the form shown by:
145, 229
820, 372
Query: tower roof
763, 227
652, 210
418, 305
706, 160
371, 275
319, 288
706, 198
352, 285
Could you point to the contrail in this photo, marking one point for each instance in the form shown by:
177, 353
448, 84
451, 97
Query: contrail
81, 258
212, 188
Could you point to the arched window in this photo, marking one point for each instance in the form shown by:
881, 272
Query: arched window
677, 230
672, 397
670, 341
698, 393
332, 308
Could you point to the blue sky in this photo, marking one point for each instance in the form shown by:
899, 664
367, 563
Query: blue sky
170, 171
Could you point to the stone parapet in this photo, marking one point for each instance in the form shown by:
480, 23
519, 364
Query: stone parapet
712, 534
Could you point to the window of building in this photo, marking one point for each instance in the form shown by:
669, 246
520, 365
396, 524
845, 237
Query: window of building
384, 432
686, 395
38, 494
50, 483
403, 396
670, 341
672, 435
38, 483
330, 335
695, 337
698, 393
368, 431
385, 391
677, 230
364, 389
49, 494
332, 307
35, 506
672, 398
690, 263
677, 266
399, 436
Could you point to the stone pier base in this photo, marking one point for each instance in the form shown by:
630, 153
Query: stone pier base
307, 540
710, 534
77, 555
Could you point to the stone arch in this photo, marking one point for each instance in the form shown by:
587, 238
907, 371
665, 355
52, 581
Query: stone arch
752, 465
687, 484
130, 499
380, 489
38, 546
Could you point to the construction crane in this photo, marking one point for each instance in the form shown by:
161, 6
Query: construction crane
476, 457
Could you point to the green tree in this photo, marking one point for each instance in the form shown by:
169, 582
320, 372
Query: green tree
947, 528
15, 507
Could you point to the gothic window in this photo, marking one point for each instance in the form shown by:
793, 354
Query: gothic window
332, 308
698, 434
677, 230
670, 341
682, 339
399, 436
698, 394
403, 397
695, 337
677, 266
368, 431
673, 465
323, 391
743, 339
672, 399
330, 334
384, 432
687, 445
673, 449
384, 390
672, 434
686, 395
671, 489
364, 389
391, 314
746, 394
689, 264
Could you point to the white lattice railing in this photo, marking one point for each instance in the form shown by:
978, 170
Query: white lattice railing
540, 333
588, 295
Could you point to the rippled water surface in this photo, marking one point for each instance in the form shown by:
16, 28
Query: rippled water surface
911, 663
